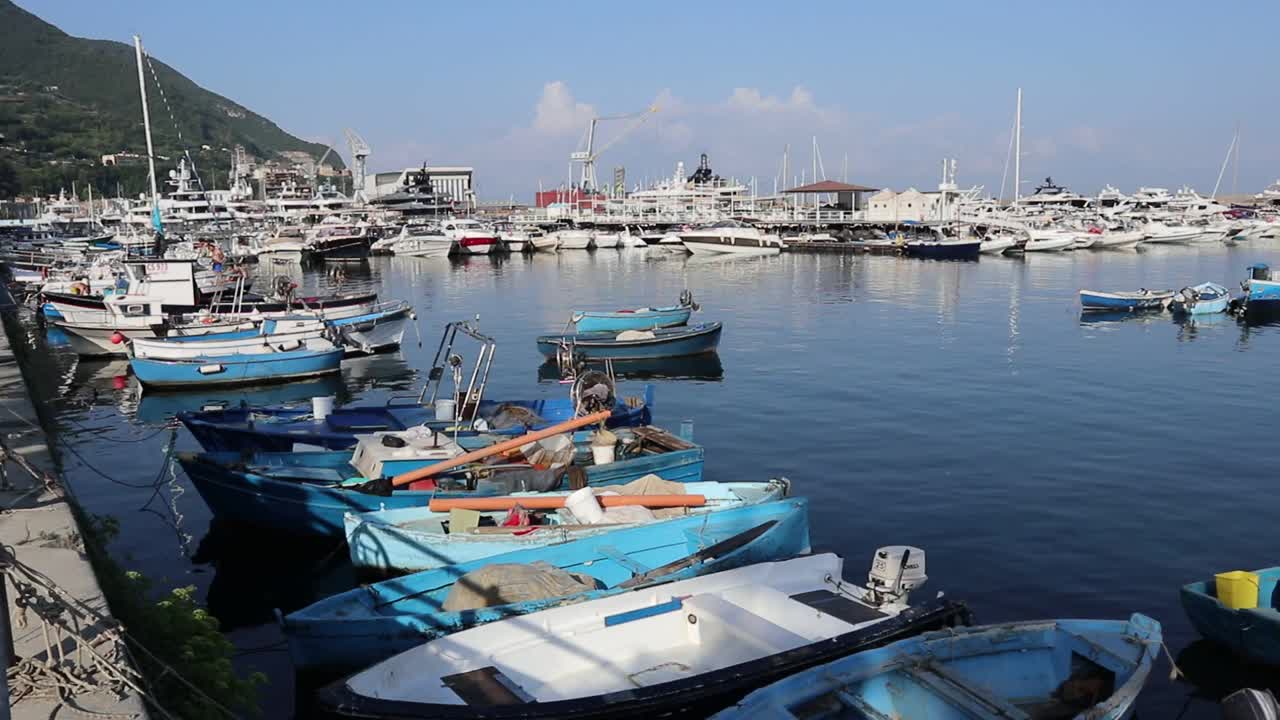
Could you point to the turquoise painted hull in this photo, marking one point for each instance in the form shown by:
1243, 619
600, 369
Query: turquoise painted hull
360, 627
996, 672
235, 370
1252, 633
643, 319
297, 492
407, 540
667, 342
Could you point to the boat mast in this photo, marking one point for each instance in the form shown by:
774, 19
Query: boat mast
146, 124
1017, 150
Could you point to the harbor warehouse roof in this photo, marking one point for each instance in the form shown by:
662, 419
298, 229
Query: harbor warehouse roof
830, 186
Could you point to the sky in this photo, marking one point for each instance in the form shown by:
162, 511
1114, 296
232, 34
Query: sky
1125, 92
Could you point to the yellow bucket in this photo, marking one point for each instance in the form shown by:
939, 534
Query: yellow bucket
1237, 589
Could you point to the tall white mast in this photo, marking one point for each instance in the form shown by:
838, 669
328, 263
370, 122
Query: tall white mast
146, 124
1017, 150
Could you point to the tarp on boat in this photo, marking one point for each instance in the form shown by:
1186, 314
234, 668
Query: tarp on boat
506, 583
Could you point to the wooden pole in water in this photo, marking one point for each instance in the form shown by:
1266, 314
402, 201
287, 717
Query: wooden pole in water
426, 472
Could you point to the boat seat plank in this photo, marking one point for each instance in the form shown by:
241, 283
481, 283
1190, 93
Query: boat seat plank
625, 561
486, 686
652, 436
738, 621
961, 694
838, 606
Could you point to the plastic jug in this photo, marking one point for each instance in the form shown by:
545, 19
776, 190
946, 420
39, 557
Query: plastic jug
1237, 589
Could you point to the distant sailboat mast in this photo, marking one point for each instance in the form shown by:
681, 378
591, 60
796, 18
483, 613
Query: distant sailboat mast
146, 124
1017, 150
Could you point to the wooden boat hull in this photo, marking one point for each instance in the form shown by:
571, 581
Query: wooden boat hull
945, 250
360, 627
694, 696
667, 342
236, 370
1094, 300
278, 429
276, 494
1253, 633
644, 319
408, 541
996, 672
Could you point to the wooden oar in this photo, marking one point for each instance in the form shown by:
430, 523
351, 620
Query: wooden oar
534, 502
426, 472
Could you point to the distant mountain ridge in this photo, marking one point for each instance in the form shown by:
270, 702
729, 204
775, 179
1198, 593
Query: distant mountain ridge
64, 98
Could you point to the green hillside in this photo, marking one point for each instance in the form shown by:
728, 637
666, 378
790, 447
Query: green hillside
66, 101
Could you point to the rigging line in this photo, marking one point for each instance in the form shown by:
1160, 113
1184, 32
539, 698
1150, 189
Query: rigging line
183, 143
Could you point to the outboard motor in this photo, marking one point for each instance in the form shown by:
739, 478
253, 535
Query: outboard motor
593, 391
896, 570
1249, 704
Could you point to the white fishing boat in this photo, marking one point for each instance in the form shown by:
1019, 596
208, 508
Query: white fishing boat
573, 239
514, 240
1118, 239
627, 239
422, 241
545, 242
997, 243
730, 237
690, 645
604, 240
1165, 233
1049, 240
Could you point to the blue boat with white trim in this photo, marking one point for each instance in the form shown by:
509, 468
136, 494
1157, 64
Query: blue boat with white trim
1131, 301
638, 319
1261, 300
635, 344
1203, 299
308, 493
363, 626
1079, 669
271, 367
1251, 632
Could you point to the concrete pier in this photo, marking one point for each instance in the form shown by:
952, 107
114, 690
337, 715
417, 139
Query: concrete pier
38, 527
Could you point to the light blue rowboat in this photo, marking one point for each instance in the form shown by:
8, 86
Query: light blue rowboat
416, 539
635, 344
358, 628
1082, 669
1253, 633
638, 319
1203, 299
1097, 301
308, 493
236, 369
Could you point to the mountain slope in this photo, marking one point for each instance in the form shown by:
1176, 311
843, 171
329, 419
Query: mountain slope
65, 99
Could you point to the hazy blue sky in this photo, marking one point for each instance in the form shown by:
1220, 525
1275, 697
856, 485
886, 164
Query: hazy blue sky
1117, 92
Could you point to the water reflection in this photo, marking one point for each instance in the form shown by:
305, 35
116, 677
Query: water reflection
705, 367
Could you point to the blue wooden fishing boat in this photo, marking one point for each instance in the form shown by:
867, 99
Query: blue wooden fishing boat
1203, 299
945, 248
269, 367
279, 429
360, 627
635, 344
308, 493
1252, 632
415, 539
1082, 669
1262, 293
1132, 301
637, 319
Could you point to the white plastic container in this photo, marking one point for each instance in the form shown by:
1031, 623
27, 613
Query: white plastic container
584, 506
602, 454
322, 406
446, 409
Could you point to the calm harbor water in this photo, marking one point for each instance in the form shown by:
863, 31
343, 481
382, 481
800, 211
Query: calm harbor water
1050, 466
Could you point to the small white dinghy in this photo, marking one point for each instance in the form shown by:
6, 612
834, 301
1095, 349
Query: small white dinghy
695, 645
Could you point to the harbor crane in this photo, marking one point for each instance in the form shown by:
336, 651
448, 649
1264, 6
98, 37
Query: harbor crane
359, 161
590, 153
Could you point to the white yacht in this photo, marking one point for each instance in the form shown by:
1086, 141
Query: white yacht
470, 236
571, 239
731, 237
1151, 198
421, 241
1052, 195
1271, 195
604, 239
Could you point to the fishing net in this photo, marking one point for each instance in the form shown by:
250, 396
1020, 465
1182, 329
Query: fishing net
506, 583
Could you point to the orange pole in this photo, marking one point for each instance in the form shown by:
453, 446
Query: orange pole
557, 501
482, 453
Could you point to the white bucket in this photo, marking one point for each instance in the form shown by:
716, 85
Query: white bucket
584, 506
602, 454
445, 409
322, 406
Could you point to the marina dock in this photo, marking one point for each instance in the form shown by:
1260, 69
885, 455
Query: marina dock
67, 651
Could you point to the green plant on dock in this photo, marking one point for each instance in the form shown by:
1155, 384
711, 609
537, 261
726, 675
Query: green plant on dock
179, 634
